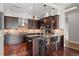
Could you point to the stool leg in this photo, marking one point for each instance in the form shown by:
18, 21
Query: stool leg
56, 46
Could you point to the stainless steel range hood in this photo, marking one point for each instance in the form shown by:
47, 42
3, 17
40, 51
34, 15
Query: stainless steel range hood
21, 22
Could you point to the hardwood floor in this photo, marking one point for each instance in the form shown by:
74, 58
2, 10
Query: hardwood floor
64, 52
22, 50
71, 52
17, 49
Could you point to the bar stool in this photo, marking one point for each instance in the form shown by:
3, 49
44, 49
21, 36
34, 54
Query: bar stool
55, 42
42, 46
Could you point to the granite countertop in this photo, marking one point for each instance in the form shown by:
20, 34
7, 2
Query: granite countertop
46, 36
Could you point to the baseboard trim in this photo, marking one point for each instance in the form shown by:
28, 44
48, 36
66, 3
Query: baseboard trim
73, 45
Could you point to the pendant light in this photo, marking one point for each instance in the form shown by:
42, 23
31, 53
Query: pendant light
33, 11
52, 12
53, 21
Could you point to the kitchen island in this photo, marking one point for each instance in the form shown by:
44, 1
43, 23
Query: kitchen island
36, 38
34, 41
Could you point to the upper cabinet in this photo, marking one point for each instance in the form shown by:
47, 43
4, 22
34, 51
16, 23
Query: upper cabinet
15, 22
55, 21
32, 24
51, 21
10, 22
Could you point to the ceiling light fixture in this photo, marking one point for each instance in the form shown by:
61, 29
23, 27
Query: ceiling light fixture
52, 12
70, 9
33, 11
45, 12
53, 21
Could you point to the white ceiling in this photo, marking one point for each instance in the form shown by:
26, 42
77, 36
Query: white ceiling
63, 5
35, 9
28, 8
71, 6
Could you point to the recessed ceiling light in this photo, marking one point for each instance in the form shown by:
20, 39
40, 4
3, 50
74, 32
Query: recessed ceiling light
70, 9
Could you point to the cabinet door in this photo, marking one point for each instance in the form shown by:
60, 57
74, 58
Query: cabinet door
32, 24
62, 41
38, 24
56, 22
35, 47
29, 24
10, 22
51, 21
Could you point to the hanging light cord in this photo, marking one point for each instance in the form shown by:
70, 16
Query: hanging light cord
45, 11
33, 11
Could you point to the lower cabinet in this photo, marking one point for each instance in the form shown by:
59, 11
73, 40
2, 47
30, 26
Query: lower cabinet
62, 41
38, 47
35, 47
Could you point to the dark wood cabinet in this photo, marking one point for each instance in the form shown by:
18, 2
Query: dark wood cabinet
38, 24
32, 24
51, 21
10, 22
55, 21
62, 41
